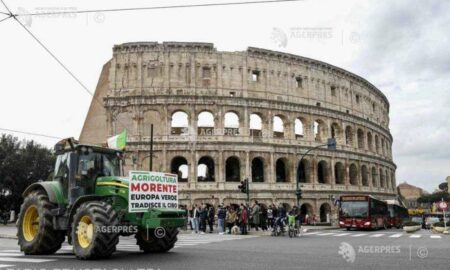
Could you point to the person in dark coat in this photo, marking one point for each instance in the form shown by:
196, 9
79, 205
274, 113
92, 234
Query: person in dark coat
263, 218
203, 218
211, 215
243, 218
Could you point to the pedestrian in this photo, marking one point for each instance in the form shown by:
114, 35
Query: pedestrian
255, 215
231, 218
243, 219
270, 216
196, 218
221, 215
211, 216
263, 217
203, 217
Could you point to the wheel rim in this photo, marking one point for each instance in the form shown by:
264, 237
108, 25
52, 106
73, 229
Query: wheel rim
85, 231
30, 225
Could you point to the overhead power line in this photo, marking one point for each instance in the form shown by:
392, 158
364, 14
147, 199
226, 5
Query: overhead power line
157, 7
31, 133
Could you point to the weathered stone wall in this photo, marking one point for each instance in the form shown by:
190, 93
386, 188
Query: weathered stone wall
149, 82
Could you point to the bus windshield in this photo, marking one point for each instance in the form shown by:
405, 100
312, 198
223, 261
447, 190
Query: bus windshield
358, 209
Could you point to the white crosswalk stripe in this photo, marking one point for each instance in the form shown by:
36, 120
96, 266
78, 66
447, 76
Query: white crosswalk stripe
397, 235
372, 235
415, 236
377, 235
342, 234
126, 244
359, 234
435, 236
325, 234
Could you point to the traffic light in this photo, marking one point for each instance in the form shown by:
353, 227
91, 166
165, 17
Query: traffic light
244, 186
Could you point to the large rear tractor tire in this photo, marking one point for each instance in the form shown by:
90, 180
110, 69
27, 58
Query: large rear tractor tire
93, 235
35, 226
156, 241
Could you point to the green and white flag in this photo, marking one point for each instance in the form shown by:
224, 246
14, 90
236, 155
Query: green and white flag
118, 141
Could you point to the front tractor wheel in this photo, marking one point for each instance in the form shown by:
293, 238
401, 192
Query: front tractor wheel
156, 241
93, 235
35, 226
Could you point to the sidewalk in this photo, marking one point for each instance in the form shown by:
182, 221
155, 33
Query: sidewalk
8, 231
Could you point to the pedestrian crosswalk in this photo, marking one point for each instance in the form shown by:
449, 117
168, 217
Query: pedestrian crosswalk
372, 235
10, 258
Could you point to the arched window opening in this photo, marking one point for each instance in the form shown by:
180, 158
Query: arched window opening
281, 170
303, 172
319, 130
377, 144
278, 127
299, 128
179, 166
232, 170
369, 141
348, 136
205, 124
231, 124
325, 213
180, 123
322, 172
335, 131
353, 175
257, 170
255, 125
360, 135
382, 179
205, 170
364, 176
339, 173
374, 177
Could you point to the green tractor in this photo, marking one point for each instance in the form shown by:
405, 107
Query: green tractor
87, 201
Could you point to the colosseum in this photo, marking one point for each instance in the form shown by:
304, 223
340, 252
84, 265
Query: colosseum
220, 117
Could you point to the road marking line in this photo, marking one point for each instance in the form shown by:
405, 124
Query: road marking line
325, 234
6, 265
358, 235
396, 235
342, 234
11, 254
310, 233
435, 236
7, 259
415, 236
377, 235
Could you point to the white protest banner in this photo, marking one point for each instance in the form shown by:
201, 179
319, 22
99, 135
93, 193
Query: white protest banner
152, 190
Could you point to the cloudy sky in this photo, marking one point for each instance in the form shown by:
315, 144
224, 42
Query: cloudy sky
400, 46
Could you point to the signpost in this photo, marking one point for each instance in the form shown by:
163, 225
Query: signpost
444, 206
152, 190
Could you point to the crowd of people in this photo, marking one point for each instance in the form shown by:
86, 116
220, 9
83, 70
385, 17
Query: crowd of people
234, 218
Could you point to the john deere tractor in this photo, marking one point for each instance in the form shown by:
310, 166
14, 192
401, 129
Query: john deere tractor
87, 201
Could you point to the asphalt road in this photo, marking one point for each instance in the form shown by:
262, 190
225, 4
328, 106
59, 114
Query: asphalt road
337, 249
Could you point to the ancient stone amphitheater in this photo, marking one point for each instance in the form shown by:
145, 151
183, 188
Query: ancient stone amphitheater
220, 117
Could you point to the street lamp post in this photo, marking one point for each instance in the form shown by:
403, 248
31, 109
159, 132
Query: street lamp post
331, 144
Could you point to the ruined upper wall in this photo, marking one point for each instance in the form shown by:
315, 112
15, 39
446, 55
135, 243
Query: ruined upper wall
194, 68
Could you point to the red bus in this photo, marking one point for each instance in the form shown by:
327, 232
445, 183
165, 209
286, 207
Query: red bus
397, 215
362, 212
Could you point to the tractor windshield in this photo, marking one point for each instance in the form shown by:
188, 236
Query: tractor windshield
94, 165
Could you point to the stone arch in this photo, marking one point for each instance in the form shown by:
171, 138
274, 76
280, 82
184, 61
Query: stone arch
306, 209
349, 136
353, 174
256, 125
377, 144
388, 182
336, 131
382, 179
364, 176
205, 123
179, 123
393, 181
369, 141
299, 128
278, 127
320, 130
258, 170
150, 117
231, 123
339, 173
325, 212
374, 177
322, 172
179, 166
124, 121
205, 169
232, 169
282, 170
360, 135
304, 171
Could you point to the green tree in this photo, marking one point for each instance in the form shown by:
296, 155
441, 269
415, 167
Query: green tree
21, 163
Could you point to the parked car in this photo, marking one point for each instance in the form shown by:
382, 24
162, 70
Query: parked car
430, 221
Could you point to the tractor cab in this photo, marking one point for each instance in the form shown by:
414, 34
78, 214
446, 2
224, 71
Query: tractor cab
78, 167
